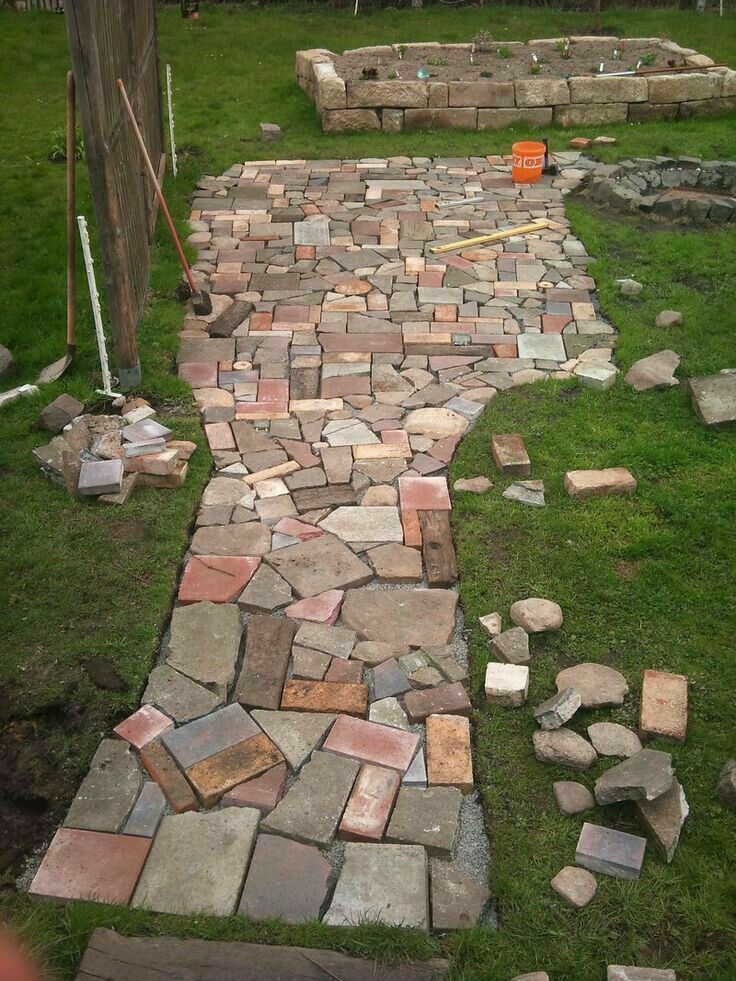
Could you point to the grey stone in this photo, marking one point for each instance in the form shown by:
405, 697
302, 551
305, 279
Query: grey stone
286, 880
714, 398
612, 739
389, 679
656, 371
100, 477
388, 712
311, 810
558, 709
444, 660
599, 685
8, 364
59, 413
473, 485
457, 900
143, 430
270, 133
197, 862
381, 883
644, 776
664, 817
609, 851
726, 786
668, 318
545, 347
266, 592
372, 652
178, 696
312, 232
426, 817
296, 734
308, 664
410, 617
147, 812
204, 644
536, 615
530, 492
619, 972
512, 646
320, 564
336, 641
416, 775
563, 747
629, 287
572, 798
108, 792
253, 538
575, 886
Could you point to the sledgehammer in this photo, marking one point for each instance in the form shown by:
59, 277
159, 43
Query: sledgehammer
200, 298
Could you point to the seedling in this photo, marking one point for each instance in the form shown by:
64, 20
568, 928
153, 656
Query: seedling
504, 52
402, 51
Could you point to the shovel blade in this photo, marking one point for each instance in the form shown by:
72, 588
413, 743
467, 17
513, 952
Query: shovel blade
53, 371
202, 303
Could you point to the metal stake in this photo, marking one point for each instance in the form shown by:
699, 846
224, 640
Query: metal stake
171, 119
96, 311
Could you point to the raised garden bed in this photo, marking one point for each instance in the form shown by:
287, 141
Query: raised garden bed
491, 85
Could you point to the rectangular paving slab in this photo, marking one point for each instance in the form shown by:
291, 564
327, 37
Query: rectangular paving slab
198, 862
382, 883
286, 880
312, 808
318, 565
191, 743
426, 817
411, 617
267, 651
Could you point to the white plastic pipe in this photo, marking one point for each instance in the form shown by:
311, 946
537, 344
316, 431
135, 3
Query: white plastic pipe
170, 105
94, 296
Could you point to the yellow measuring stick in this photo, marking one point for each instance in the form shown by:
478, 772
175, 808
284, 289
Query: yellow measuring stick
469, 243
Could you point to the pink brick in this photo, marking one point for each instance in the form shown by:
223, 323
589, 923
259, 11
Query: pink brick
349, 671
363, 343
370, 803
263, 792
445, 313
217, 578
220, 436
273, 390
663, 711
553, 323
200, 374
345, 385
143, 726
424, 493
444, 449
372, 743
298, 529
394, 436
260, 321
323, 608
91, 865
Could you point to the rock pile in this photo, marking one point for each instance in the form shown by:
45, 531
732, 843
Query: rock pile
107, 456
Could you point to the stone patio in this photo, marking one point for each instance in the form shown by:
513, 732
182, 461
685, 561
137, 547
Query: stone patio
314, 669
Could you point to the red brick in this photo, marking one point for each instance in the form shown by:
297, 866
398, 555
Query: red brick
217, 578
260, 322
369, 805
663, 711
412, 530
199, 374
169, 777
372, 743
143, 726
91, 865
263, 792
449, 699
273, 390
505, 350
510, 455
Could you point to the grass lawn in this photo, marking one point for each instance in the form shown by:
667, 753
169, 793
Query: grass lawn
644, 582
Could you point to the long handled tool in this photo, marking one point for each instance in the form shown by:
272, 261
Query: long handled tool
200, 299
57, 369
499, 236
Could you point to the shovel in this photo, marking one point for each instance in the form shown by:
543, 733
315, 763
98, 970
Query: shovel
56, 370
200, 299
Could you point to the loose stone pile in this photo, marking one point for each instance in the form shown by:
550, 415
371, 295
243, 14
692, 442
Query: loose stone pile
108, 456
679, 189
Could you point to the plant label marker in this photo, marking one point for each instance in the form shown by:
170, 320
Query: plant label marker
170, 105
94, 296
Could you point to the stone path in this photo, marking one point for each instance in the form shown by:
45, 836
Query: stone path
306, 733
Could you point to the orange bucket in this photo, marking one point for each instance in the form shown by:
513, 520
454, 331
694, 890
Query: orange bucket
527, 162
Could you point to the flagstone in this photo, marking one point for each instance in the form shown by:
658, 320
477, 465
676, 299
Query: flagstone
266, 591
389, 679
322, 564
107, 794
457, 900
219, 579
90, 865
286, 880
323, 608
365, 524
387, 883
426, 817
307, 664
297, 734
217, 846
411, 617
253, 539
204, 644
313, 806
178, 696
267, 650
336, 641
394, 563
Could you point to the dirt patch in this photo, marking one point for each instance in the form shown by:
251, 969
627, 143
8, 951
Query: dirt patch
628, 570
504, 61
129, 531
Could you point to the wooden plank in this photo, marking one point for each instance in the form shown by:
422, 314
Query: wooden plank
438, 551
469, 243
111, 957
267, 652
314, 498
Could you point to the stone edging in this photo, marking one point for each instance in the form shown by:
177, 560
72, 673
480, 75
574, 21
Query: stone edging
393, 106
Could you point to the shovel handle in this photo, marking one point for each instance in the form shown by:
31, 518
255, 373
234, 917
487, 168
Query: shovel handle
71, 228
157, 186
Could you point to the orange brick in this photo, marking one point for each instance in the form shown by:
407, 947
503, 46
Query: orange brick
169, 777
663, 711
449, 760
412, 530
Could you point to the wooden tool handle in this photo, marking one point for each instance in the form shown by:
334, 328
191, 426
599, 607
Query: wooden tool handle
71, 228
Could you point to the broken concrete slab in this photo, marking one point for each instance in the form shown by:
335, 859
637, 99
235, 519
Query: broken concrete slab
644, 776
664, 818
558, 709
457, 900
109, 791
319, 565
205, 643
297, 734
178, 696
714, 398
411, 617
655, 371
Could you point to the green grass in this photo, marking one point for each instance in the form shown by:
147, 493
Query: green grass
78, 581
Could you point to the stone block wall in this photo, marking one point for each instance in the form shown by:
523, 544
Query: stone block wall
396, 105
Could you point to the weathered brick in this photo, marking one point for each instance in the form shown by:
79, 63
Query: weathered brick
449, 759
168, 776
663, 712
372, 743
369, 806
